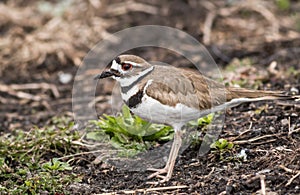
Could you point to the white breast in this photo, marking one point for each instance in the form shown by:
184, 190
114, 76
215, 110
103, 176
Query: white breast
154, 111
129, 93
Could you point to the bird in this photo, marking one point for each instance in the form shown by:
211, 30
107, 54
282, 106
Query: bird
175, 96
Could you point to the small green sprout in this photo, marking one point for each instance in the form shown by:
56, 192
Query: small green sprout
222, 145
56, 165
223, 148
24, 159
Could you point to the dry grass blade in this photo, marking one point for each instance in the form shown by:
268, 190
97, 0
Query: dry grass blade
290, 171
256, 6
46, 86
292, 179
14, 15
263, 184
208, 21
13, 90
61, 38
256, 138
125, 7
147, 190
19, 94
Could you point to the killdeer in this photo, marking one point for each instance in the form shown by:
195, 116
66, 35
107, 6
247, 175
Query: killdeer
165, 94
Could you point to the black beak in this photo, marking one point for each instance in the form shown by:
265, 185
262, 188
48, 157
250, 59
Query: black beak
107, 73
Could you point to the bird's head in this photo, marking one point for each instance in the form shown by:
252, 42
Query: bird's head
124, 66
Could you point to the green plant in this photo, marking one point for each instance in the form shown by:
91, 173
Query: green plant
222, 147
283, 4
201, 122
27, 159
131, 135
297, 22
56, 165
292, 71
261, 109
236, 70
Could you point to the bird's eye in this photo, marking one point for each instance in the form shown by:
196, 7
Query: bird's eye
126, 66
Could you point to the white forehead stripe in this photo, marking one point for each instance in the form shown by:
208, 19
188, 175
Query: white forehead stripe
114, 65
132, 63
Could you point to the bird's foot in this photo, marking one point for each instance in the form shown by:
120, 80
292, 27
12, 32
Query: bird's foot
158, 173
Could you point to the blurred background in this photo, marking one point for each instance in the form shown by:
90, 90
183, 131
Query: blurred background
42, 44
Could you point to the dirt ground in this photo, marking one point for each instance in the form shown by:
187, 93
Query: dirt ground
43, 40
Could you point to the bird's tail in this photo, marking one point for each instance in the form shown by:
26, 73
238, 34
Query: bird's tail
236, 96
233, 93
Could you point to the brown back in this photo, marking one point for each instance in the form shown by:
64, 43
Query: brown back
171, 86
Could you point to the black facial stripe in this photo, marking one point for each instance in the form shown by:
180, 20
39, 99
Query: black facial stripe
115, 72
135, 99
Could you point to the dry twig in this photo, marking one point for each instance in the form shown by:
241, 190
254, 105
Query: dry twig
13, 90
263, 184
244, 132
256, 138
45, 86
256, 6
19, 94
208, 21
125, 7
148, 190
290, 171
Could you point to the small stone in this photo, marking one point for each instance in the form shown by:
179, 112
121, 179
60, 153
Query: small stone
243, 155
64, 78
294, 90
271, 118
263, 171
284, 121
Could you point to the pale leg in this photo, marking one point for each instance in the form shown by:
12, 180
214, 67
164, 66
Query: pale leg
168, 169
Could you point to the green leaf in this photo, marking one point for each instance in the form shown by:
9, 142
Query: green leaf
123, 139
98, 136
230, 145
221, 144
115, 142
283, 4
164, 134
205, 120
126, 112
55, 164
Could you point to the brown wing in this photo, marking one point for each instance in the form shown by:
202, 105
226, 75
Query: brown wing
185, 87
197, 91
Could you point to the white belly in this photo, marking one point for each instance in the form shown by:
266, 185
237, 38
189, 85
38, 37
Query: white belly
153, 111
